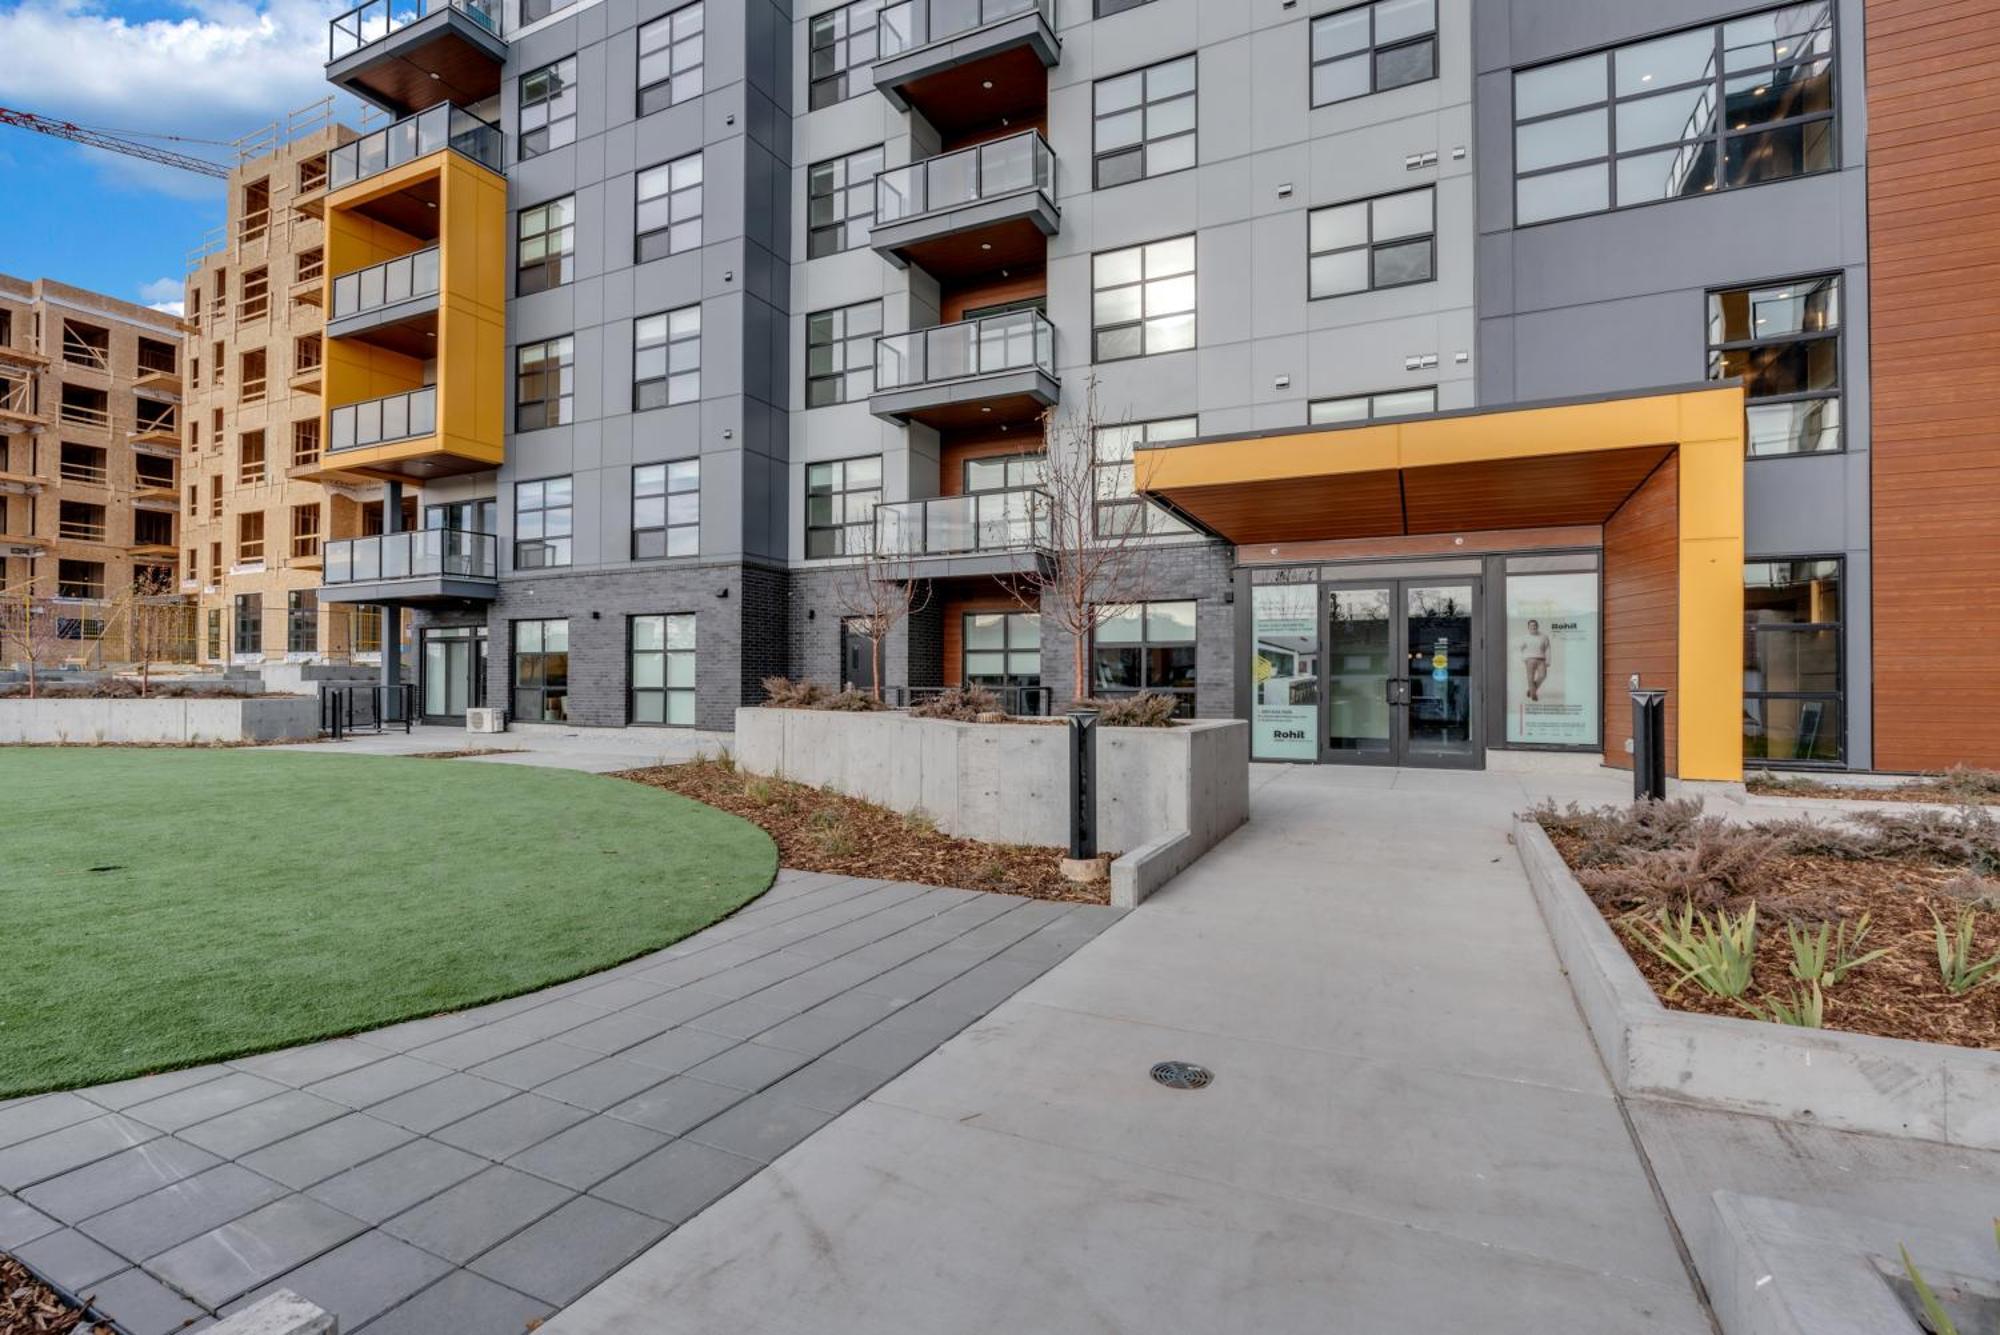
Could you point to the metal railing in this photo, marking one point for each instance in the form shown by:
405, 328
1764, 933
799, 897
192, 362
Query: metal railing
385, 284
404, 416
1020, 701
1010, 166
412, 554
1016, 341
366, 708
413, 137
918, 23
371, 22
982, 521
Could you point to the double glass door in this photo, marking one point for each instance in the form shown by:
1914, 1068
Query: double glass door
1400, 684
454, 671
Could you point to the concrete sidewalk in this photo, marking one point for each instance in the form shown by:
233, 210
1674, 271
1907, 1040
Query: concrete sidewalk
595, 750
1409, 1128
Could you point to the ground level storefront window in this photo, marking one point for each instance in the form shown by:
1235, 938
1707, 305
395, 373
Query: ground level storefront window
662, 670
1792, 683
541, 671
1284, 672
1553, 650
1147, 647
1003, 650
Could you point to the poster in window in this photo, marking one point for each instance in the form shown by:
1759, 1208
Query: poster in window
1284, 672
1553, 682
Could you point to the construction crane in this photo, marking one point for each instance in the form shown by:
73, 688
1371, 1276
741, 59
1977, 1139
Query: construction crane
118, 143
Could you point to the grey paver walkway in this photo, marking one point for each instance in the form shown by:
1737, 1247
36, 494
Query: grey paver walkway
596, 750
468, 1173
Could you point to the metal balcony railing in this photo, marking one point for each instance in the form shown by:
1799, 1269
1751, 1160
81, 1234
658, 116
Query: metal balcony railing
1009, 166
917, 23
385, 284
404, 416
371, 22
414, 554
981, 521
1016, 341
413, 137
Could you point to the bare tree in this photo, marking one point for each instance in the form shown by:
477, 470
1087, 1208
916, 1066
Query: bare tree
875, 595
157, 621
31, 632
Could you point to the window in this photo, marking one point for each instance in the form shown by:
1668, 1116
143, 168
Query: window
214, 634
305, 441
840, 354
250, 537
215, 496
666, 509
214, 564
543, 522
1119, 509
305, 530
840, 506
83, 463
157, 356
152, 528
670, 59
666, 358
1003, 649
541, 671
1713, 108
1106, 8
1373, 48
843, 45
1389, 241
86, 345
311, 264
194, 502
255, 301
1142, 300
1147, 647
1005, 472
80, 520
531, 10
669, 208
548, 108
840, 202
663, 670
79, 579
1372, 407
1783, 339
364, 628
250, 458
302, 621
249, 623
1792, 684
546, 239
544, 383
478, 516
251, 388
312, 174
1144, 122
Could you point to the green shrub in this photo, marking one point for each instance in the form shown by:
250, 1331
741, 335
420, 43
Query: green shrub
1960, 972
1829, 955
1802, 1007
1715, 953
960, 704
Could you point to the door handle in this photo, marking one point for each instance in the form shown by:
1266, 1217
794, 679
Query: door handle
1398, 690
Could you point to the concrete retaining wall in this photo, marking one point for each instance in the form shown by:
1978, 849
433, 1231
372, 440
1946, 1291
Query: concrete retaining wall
1166, 795
1854, 1082
269, 718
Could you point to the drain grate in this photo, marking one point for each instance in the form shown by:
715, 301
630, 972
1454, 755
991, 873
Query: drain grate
1183, 1075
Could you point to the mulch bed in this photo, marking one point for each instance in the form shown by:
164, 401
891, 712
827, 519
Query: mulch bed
464, 752
30, 1307
1940, 790
820, 831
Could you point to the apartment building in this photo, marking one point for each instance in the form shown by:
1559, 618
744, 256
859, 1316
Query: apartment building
90, 402
1459, 366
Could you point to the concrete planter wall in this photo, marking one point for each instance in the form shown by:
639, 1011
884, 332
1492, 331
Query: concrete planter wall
266, 718
1166, 795
1855, 1082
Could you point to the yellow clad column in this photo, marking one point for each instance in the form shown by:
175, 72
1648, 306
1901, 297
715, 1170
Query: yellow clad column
1711, 586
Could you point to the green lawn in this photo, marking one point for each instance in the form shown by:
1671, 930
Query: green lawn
160, 908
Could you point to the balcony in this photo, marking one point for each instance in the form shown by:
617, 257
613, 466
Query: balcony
971, 211
410, 415
1000, 369
418, 567
442, 126
393, 304
406, 55
980, 534
160, 379
966, 62
17, 402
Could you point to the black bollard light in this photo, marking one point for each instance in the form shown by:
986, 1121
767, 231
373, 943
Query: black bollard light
1649, 746
1082, 784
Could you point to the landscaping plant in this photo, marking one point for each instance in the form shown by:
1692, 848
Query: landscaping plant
959, 704
1147, 709
1961, 973
1715, 952
1829, 954
1935, 1317
784, 693
1801, 1007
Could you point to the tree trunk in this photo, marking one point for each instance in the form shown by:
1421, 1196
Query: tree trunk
1079, 663
875, 657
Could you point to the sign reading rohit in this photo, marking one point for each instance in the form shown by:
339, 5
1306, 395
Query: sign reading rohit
1284, 707
1553, 644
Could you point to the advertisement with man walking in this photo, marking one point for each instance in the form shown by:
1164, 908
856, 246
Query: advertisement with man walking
1552, 659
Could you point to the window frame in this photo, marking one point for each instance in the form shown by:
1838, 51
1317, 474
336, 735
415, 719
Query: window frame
1716, 350
564, 370
1128, 498
524, 136
1373, 51
1371, 247
842, 526
549, 260
1145, 321
844, 341
849, 228
1011, 620
699, 38
667, 654
841, 76
515, 656
546, 539
668, 527
671, 193
1144, 107
1145, 645
247, 635
1369, 397
302, 621
668, 343
1754, 633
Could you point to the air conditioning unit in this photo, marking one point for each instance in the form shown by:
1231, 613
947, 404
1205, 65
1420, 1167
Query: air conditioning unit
485, 720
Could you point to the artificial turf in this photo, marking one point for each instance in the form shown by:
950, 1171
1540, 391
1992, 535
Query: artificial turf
161, 908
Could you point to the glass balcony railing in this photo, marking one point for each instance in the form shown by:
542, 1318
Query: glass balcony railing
413, 137
386, 284
1009, 166
983, 521
1016, 341
435, 552
917, 23
405, 416
371, 22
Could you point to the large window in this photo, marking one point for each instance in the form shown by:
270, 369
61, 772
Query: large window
844, 44
1145, 122
840, 354
1372, 48
840, 506
662, 670
1003, 649
1388, 241
548, 108
669, 208
1783, 339
666, 509
666, 358
302, 621
670, 59
541, 671
1146, 647
543, 523
547, 240
249, 623
1792, 670
535, 10
1005, 472
545, 383
1713, 108
1142, 300
1372, 407
840, 202
1119, 509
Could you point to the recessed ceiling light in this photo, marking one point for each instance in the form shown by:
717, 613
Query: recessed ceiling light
987, 84
985, 410
1783, 49
1645, 78
986, 245
1761, 89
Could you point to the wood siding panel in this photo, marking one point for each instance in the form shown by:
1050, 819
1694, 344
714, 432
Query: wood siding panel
1642, 609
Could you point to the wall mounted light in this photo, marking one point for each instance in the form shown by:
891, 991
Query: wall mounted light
722, 592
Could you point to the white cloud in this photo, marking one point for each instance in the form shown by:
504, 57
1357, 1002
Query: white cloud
164, 294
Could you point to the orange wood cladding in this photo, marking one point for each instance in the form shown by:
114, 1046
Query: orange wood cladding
955, 609
1934, 294
1642, 609
992, 290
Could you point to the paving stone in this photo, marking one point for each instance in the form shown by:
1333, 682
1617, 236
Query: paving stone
315, 1155
441, 1102
461, 1303
827, 1026
762, 1127
145, 1227
387, 1186
69, 1260
619, 993
604, 1082
359, 1280
680, 1005
231, 1260
299, 1067
880, 1048
507, 1128
743, 1019
569, 1251
677, 1182
749, 1066
27, 1118
377, 1081
72, 1147
122, 1094
536, 1064
141, 1305
615, 1032
478, 1213
415, 1033
473, 1046
829, 1085
985, 986
123, 1177
555, 1017
235, 1134
200, 1102
934, 1018
588, 1152
757, 975
677, 1049
678, 1105
21, 1223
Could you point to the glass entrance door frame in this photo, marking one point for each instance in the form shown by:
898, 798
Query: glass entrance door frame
1400, 694
455, 674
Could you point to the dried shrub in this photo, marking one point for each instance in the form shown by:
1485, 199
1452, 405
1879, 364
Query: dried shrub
1722, 865
1968, 837
784, 693
1969, 887
1819, 839
118, 688
960, 704
1147, 709
851, 701
1602, 836
1964, 783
